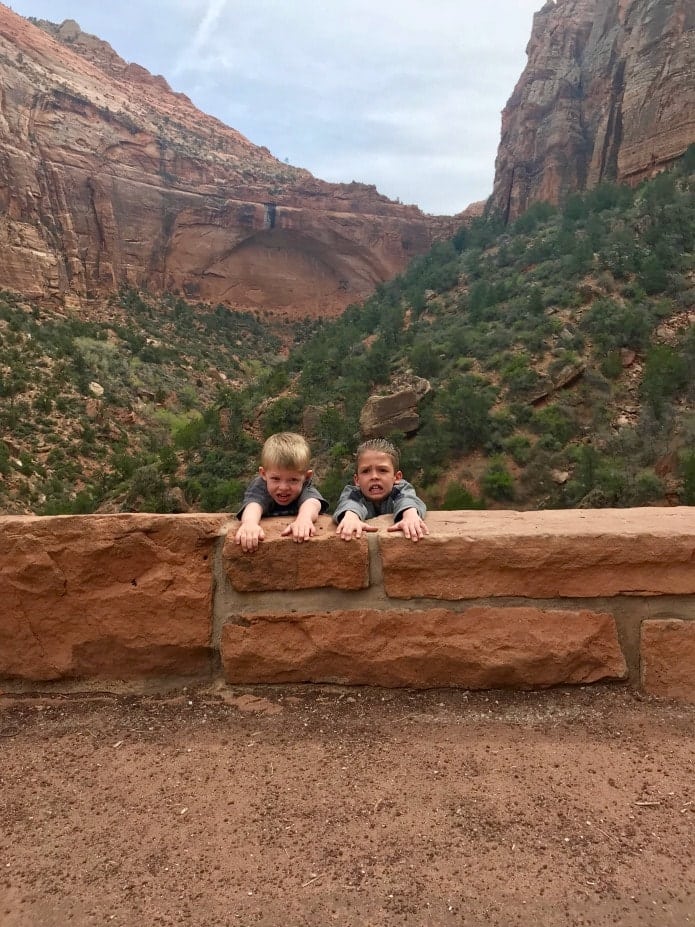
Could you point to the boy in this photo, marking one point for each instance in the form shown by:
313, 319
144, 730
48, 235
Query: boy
283, 487
379, 489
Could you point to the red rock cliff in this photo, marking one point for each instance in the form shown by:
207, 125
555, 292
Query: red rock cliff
608, 94
108, 178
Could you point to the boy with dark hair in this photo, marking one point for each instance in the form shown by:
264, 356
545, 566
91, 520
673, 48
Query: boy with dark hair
283, 487
379, 489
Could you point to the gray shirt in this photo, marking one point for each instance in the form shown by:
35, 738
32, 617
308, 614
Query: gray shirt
401, 497
257, 491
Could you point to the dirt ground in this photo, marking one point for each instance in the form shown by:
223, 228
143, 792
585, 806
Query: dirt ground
315, 806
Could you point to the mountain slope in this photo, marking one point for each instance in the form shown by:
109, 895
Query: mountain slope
108, 178
547, 363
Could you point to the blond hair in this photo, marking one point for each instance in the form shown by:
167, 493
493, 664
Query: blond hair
286, 450
382, 446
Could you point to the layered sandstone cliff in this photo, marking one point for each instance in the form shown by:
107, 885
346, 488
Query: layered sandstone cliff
608, 94
110, 179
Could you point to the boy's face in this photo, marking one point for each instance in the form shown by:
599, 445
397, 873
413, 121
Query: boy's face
283, 485
375, 475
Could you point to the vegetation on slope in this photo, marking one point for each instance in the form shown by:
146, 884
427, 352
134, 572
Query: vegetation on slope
559, 352
90, 409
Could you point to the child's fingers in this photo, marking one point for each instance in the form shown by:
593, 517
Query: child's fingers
412, 531
347, 534
299, 532
248, 538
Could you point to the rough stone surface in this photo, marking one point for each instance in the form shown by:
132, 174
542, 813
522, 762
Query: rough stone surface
579, 553
480, 648
280, 564
382, 415
110, 179
667, 650
608, 94
106, 595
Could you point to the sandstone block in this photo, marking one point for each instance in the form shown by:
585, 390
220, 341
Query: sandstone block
381, 415
106, 595
280, 564
579, 553
667, 658
482, 647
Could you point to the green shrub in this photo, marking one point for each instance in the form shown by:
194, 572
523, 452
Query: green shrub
518, 375
457, 498
613, 326
648, 488
497, 481
285, 414
5, 466
147, 489
653, 276
611, 365
425, 359
687, 471
465, 407
554, 421
666, 372
519, 448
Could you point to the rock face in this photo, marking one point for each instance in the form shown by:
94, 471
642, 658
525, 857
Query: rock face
383, 414
608, 94
110, 179
396, 411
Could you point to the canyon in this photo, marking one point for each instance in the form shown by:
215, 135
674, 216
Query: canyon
109, 179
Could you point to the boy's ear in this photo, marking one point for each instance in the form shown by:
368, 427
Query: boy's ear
355, 480
308, 475
261, 470
399, 475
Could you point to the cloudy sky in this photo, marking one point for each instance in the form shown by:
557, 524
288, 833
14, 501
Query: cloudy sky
404, 94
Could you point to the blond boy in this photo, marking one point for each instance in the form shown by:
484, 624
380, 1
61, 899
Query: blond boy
283, 487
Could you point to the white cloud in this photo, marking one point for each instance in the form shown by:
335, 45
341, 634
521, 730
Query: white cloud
203, 34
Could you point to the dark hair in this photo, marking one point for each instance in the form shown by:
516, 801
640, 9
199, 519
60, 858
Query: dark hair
382, 446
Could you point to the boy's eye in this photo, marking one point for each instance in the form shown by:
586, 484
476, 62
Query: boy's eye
292, 482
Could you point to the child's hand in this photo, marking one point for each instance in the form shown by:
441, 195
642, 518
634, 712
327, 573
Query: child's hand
411, 525
301, 529
249, 536
351, 526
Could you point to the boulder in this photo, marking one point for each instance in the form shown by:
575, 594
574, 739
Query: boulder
382, 415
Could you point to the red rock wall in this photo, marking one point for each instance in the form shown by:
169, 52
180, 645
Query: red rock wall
109, 179
608, 94
487, 600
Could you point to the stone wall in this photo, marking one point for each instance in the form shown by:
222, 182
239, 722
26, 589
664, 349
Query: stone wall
488, 600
